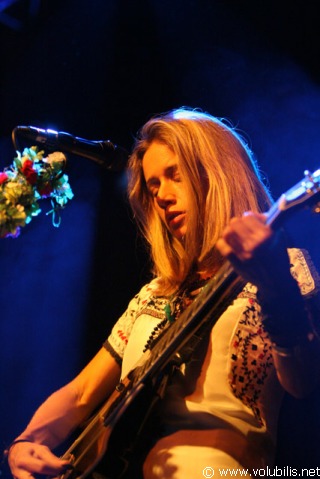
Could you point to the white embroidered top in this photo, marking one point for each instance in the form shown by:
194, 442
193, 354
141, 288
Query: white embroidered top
237, 387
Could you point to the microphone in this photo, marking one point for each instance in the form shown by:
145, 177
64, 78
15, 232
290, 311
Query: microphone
105, 153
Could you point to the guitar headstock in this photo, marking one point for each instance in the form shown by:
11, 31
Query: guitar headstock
306, 193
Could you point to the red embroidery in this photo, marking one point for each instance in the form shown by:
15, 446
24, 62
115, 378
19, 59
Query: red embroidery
122, 336
251, 360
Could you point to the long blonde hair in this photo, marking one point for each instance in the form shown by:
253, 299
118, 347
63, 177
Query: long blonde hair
212, 153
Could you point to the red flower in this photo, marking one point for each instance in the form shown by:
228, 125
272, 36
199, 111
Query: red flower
45, 191
3, 177
29, 172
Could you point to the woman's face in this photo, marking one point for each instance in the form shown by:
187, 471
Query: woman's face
162, 175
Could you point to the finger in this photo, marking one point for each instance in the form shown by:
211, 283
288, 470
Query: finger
21, 474
249, 224
38, 460
260, 216
246, 234
224, 248
234, 241
45, 465
52, 463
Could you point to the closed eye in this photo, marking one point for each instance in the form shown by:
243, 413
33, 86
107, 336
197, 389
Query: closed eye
153, 187
174, 173
171, 173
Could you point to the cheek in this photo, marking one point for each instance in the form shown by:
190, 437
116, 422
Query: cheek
182, 192
159, 211
182, 198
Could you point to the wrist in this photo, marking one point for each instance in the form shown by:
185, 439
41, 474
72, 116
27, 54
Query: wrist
285, 317
7, 451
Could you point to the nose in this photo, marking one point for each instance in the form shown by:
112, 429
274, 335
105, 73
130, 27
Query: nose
165, 195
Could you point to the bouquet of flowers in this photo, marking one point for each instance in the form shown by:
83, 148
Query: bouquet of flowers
29, 179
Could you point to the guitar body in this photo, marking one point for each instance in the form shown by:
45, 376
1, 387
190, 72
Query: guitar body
112, 438
116, 430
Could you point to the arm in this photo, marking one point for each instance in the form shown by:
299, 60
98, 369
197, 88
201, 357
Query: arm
59, 415
260, 256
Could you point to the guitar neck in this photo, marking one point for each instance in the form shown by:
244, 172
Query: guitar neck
180, 338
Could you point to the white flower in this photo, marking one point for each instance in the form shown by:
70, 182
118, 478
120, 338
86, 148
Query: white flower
56, 157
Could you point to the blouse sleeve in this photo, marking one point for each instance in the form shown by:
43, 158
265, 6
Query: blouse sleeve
308, 279
304, 272
120, 333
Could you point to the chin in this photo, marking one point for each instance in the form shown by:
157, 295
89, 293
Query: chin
180, 235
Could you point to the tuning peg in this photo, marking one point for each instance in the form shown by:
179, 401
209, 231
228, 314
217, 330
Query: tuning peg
316, 208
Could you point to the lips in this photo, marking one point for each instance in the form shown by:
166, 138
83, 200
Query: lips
174, 218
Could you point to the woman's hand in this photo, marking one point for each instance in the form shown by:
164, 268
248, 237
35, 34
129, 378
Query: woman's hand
260, 256
60, 415
243, 235
27, 459
256, 252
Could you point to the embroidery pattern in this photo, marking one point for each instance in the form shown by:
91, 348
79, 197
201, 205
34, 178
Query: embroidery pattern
169, 311
153, 307
122, 336
304, 272
171, 308
251, 360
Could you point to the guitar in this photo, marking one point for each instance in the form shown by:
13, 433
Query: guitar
174, 346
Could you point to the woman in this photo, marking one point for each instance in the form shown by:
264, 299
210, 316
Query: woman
198, 199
